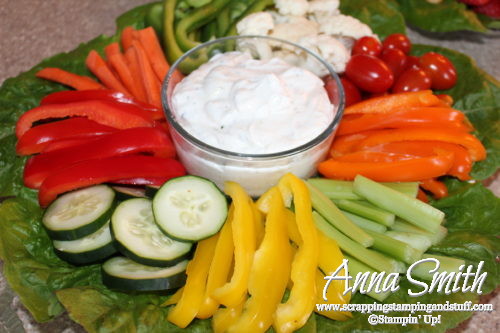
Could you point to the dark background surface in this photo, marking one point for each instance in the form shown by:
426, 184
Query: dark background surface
31, 30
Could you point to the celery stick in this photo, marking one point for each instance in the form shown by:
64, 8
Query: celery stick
395, 248
365, 224
410, 209
371, 258
334, 189
446, 264
408, 188
340, 189
366, 210
334, 216
417, 241
356, 267
434, 237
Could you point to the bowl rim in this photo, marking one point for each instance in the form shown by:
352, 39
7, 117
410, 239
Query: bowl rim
329, 130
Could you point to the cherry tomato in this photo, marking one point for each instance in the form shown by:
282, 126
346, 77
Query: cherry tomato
395, 59
412, 62
412, 79
367, 45
440, 69
397, 41
369, 73
352, 94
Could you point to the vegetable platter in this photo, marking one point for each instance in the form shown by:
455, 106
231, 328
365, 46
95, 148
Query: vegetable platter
48, 286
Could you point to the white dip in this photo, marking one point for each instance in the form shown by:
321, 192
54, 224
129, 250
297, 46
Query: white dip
242, 105
250, 106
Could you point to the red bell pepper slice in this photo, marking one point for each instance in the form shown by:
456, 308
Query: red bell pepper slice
37, 138
71, 96
412, 117
98, 171
66, 143
117, 115
124, 142
406, 170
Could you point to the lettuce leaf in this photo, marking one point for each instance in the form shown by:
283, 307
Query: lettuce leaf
382, 16
449, 15
47, 286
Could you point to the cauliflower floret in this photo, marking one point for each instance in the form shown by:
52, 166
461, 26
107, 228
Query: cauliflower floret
330, 49
343, 25
256, 24
260, 49
324, 7
278, 18
289, 57
297, 28
292, 7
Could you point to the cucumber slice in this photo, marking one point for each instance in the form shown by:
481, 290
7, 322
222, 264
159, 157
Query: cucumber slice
190, 208
86, 250
139, 238
125, 274
79, 213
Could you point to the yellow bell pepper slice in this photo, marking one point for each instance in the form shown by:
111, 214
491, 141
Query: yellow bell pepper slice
197, 270
174, 298
293, 231
232, 293
219, 268
226, 317
332, 296
294, 313
270, 272
259, 223
330, 258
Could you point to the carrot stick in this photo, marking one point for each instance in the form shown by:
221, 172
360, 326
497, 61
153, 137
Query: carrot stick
133, 65
149, 79
389, 103
149, 41
127, 37
119, 63
75, 81
113, 48
98, 66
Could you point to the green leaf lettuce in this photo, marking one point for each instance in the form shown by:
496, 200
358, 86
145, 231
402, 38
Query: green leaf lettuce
47, 286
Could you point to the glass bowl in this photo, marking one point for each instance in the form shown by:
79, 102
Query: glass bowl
255, 172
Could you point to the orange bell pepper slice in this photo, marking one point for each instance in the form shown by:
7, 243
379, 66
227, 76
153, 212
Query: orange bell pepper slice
462, 162
475, 148
413, 169
411, 117
390, 103
347, 143
437, 188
